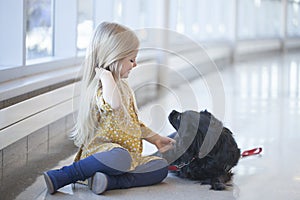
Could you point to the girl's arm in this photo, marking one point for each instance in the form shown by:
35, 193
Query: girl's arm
111, 93
162, 143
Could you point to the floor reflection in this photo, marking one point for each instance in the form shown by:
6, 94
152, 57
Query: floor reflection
264, 106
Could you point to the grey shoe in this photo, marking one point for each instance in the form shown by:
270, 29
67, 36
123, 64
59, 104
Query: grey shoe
49, 183
98, 183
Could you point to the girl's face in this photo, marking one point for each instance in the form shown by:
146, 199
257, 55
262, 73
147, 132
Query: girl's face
127, 64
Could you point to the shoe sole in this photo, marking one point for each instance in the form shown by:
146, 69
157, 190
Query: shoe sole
98, 183
49, 183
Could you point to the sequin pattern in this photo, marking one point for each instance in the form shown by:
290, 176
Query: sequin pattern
113, 131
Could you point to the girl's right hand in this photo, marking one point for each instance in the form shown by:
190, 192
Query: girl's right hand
101, 73
110, 89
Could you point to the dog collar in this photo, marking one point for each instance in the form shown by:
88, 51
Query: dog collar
181, 165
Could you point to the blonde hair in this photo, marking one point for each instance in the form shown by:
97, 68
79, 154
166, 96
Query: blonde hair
110, 43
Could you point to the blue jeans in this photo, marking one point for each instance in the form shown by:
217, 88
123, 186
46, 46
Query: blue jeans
115, 164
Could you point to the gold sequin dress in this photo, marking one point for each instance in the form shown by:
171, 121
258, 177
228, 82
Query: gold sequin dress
114, 131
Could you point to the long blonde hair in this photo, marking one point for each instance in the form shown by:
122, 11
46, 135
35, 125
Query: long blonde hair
110, 43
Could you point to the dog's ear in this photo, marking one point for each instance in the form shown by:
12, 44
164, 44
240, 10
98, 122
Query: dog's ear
174, 119
213, 132
189, 123
205, 112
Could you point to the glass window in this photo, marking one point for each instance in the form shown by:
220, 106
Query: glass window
203, 20
84, 23
118, 10
293, 18
259, 19
39, 33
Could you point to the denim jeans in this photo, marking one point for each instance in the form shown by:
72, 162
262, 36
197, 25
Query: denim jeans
115, 165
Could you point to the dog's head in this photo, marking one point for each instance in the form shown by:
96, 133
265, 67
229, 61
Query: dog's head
191, 121
197, 130
186, 125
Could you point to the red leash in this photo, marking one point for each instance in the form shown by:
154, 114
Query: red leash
251, 152
246, 153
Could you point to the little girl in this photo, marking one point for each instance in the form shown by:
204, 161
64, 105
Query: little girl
108, 130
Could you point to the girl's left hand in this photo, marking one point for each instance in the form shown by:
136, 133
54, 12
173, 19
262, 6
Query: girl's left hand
164, 144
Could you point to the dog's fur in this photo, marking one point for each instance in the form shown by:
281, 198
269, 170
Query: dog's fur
206, 150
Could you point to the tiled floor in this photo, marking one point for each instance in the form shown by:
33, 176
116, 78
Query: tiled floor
261, 105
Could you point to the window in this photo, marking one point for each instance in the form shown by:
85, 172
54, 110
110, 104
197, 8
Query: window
84, 23
61, 29
293, 18
259, 19
39, 36
203, 20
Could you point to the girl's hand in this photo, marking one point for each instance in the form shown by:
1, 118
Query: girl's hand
110, 89
102, 73
164, 144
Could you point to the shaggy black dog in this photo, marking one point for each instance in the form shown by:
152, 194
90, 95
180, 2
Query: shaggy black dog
204, 149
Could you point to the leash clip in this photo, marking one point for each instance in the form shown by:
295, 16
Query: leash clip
251, 152
181, 165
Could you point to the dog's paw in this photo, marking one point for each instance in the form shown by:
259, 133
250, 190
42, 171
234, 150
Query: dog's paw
218, 186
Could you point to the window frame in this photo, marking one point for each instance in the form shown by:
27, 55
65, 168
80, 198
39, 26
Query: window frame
64, 46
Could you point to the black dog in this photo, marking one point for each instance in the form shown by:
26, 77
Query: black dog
204, 149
